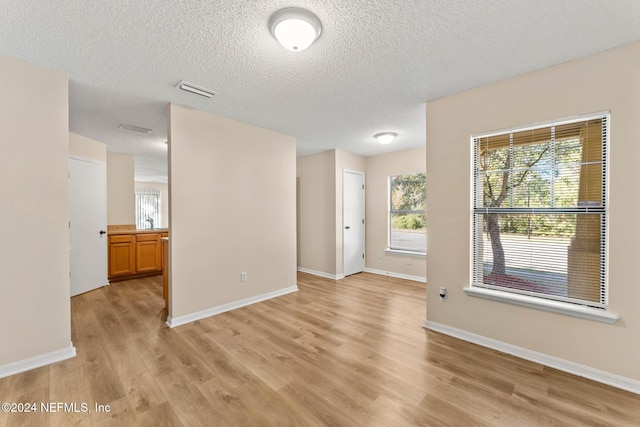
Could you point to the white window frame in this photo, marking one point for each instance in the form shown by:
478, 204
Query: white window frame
596, 312
399, 250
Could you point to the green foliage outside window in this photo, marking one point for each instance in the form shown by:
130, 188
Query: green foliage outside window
536, 179
408, 201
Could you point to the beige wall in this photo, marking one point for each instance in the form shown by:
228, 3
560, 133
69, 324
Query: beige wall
34, 214
320, 210
316, 212
606, 81
87, 148
164, 200
379, 168
121, 208
233, 209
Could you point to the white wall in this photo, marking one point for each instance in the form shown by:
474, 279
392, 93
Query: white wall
378, 170
34, 215
233, 210
121, 207
606, 81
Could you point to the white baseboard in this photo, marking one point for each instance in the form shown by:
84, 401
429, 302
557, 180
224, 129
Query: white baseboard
396, 275
181, 320
366, 270
604, 377
321, 273
37, 361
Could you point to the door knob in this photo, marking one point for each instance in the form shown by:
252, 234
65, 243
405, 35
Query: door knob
347, 227
102, 232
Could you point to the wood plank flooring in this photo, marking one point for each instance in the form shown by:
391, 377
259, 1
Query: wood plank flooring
347, 353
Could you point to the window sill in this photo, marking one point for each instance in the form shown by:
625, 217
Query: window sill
401, 252
558, 307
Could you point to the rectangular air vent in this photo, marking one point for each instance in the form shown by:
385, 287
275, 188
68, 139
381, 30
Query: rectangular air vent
197, 90
135, 129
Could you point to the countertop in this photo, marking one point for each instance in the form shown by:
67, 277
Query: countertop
139, 231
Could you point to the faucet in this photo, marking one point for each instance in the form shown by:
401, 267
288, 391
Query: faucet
150, 221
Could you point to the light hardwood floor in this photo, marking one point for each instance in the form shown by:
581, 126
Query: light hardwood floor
350, 353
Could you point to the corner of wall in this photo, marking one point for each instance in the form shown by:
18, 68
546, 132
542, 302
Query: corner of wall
35, 265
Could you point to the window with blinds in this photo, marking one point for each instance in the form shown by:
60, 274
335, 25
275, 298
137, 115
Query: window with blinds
148, 208
539, 210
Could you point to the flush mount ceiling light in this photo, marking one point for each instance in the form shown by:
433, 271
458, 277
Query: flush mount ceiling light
135, 129
197, 90
385, 137
295, 28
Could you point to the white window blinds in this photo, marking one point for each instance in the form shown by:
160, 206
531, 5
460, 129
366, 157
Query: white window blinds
540, 211
148, 208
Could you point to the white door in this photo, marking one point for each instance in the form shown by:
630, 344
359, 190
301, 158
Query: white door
353, 222
87, 224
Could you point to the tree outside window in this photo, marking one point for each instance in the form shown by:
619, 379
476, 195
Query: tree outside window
407, 212
540, 212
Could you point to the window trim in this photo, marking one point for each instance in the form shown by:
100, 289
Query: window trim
572, 308
395, 250
404, 252
560, 307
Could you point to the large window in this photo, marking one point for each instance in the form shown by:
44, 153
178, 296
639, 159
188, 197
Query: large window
148, 208
540, 211
407, 209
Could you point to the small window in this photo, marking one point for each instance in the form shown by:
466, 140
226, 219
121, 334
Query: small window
407, 211
540, 211
148, 208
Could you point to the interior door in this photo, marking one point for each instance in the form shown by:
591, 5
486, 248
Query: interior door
353, 222
87, 224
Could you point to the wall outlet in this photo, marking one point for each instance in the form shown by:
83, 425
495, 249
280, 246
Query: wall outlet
243, 276
380, 255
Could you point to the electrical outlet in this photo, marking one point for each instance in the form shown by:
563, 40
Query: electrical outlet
243, 276
380, 255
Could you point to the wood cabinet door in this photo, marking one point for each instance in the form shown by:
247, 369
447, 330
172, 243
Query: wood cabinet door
165, 272
122, 257
148, 253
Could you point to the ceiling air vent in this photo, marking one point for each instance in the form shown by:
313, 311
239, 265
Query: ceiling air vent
197, 90
135, 129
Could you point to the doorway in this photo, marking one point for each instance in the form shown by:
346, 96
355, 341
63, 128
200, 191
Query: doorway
353, 221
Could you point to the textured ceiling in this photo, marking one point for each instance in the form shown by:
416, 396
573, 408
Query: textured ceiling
372, 69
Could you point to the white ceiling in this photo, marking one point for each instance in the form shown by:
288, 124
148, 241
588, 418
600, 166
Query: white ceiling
372, 69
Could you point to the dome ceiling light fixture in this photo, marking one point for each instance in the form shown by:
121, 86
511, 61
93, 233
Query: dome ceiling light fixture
295, 28
385, 137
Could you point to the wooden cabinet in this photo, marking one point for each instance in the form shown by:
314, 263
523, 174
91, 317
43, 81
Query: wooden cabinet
165, 270
163, 259
135, 255
122, 255
148, 253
